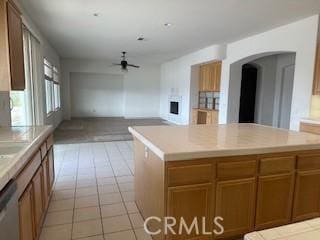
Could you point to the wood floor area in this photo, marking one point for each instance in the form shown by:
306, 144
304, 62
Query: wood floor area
82, 130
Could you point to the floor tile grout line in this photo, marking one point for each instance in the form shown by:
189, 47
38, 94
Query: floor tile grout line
74, 200
123, 202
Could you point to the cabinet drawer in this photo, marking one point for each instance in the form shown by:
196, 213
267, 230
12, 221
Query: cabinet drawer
27, 173
186, 175
308, 162
277, 165
236, 170
50, 142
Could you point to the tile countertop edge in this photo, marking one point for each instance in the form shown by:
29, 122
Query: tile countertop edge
146, 142
181, 156
310, 121
24, 156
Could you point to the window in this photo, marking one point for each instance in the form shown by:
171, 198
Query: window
48, 76
56, 89
51, 74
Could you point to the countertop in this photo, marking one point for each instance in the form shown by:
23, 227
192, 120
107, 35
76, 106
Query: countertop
17, 144
311, 120
172, 143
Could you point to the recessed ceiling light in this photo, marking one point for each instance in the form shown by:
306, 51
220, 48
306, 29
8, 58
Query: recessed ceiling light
168, 24
141, 38
96, 14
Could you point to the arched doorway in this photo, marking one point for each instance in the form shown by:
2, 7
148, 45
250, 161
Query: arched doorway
260, 89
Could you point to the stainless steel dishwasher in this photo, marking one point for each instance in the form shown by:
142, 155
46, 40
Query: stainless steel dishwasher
9, 215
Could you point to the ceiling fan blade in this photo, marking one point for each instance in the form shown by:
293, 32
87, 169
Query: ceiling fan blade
135, 66
116, 64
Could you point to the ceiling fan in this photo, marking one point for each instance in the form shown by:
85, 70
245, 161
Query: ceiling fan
124, 64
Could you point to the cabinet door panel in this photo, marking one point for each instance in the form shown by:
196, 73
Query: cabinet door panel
46, 192
192, 201
274, 203
38, 200
26, 215
51, 172
217, 77
15, 47
235, 203
307, 195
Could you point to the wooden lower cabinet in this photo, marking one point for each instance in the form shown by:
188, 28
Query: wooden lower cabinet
235, 203
46, 186
205, 116
274, 200
250, 193
26, 215
190, 202
37, 183
51, 167
33, 202
307, 195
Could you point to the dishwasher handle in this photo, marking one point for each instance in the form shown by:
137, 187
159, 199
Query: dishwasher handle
6, 195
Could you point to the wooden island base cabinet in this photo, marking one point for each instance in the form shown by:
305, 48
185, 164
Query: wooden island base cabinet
250, 193
35, 183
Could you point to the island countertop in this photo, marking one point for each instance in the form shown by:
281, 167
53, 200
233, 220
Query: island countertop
17, 144
171, 143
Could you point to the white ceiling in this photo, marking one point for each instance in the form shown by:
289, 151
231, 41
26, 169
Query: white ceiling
73, 30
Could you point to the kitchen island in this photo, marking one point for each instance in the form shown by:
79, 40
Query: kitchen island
254, 177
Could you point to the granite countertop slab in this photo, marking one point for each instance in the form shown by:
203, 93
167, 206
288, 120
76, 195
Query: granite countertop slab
171, 143
17, 145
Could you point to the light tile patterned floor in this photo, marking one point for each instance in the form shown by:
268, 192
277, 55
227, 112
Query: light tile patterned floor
93, 197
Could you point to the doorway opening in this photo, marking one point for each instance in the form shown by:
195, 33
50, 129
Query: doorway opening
260, 90
248, 94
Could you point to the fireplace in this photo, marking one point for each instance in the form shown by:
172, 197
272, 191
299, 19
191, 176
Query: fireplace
174, 108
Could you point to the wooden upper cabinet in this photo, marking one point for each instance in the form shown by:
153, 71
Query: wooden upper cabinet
316, 81
209, 77
11, 51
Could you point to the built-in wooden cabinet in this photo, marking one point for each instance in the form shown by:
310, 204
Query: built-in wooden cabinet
26, 215
205, 116
35, 183
46, 185
316, 81
210, 77
11, 52
274, 202
307, 195
235, 203
190, 202
275, 191
250, 193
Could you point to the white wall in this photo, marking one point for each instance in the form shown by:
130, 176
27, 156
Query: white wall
48, 52
176, 78
96, 95
141, 86
299, 37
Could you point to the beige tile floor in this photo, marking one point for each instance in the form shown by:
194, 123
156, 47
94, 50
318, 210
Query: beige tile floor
93, 197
